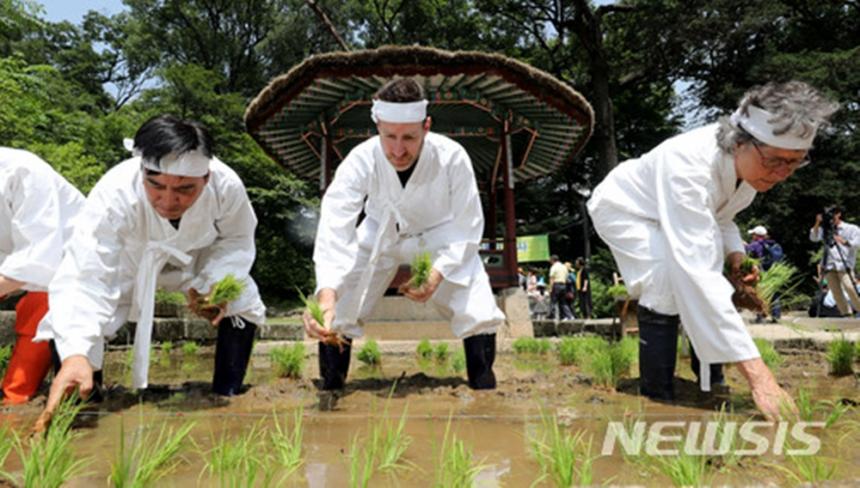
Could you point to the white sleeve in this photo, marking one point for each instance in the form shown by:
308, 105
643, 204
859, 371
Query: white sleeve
37, 229
815, 234
84, 293
695, 263
853, 235
732, 241
336, 244
467, 227
234, 250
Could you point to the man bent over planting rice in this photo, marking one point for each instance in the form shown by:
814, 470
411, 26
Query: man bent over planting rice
418, 192
172, 216
668, 219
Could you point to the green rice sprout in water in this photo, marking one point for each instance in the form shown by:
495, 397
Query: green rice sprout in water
287, 442
455, 466
458, 362
840, 355
148, 457
50, 460
289, 361
369, 353
422, 264
313, 308
237, 461
530, 345
564, 457
227, 290
190, 348
7, 441
684, 469
610, 362
769, 355
440, 352
424, 349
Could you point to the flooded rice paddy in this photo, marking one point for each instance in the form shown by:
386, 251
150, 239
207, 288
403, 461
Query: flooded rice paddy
498, 429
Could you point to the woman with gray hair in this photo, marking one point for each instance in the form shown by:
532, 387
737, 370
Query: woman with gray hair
668, 218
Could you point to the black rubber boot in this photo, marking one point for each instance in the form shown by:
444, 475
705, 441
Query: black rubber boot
232, 353
480, 355
334, 364
717, 377
658, 346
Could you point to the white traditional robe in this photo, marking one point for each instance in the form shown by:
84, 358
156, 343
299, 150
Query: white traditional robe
37, 207
668, 219
122, 249
439, 211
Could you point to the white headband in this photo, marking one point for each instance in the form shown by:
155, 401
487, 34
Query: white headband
758, 124
399, 113
190, 163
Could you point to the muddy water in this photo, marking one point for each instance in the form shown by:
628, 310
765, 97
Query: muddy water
496, 425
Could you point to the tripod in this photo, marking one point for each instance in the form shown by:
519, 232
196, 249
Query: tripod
829, 242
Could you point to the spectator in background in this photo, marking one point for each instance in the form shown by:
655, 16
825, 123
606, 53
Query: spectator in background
841, 255
583, 288
767, 251
559, 308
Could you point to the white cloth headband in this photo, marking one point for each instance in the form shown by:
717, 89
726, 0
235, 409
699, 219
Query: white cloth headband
758, 123
399, 113
190, 163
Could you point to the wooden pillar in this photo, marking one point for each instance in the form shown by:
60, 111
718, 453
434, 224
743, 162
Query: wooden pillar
510, 251
491, 213
326, 166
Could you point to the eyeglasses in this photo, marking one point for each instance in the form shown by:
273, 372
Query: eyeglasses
772, 163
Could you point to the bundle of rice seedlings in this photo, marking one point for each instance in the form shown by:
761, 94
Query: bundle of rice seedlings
150, 456
287, 442
424, 349
530, 345
440, 352
458, 362
455, 466
227, 290
237, 461
312, 305
370, 354
609, 363
780, 278
190, 348
422, 264
289, 361
564, 457
840, 354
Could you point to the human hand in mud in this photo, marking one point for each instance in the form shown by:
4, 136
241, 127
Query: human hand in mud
770, 399
75, 371
422, 293
200, 306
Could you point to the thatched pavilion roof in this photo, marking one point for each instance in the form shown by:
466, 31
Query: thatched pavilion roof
470, 95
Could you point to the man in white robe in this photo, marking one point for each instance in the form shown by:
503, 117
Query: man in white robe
172, 216
418, 192
667, 217
37, 207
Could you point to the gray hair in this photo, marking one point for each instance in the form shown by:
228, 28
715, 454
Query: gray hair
798, 108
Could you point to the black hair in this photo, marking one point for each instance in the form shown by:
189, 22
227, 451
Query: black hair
400, 90
165, 134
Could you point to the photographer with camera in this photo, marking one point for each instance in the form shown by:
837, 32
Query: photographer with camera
841, 240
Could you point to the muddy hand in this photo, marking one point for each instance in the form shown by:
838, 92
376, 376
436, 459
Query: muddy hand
75, 372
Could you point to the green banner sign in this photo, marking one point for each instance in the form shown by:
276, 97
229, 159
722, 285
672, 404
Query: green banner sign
533, 248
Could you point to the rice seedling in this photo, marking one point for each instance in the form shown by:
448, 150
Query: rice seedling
455, 465
190, 348
48, 459
166, 347
612, 361
808, 470
237, 462
369, 353
835, 411
422, 264
530, 345
6, 444
393, 442
727, 439
458, 362
781, 278
227, 290
567, 349
312, 305
805, 406
564, 457
440, 352
685, 469
362, 461
149, 457
5, 355
424, 349
769, 355
289, 361
287, 444
840, 355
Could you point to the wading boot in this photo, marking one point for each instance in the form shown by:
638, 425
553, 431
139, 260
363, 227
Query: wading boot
658, 346
334, 364
480, 354
232, 354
